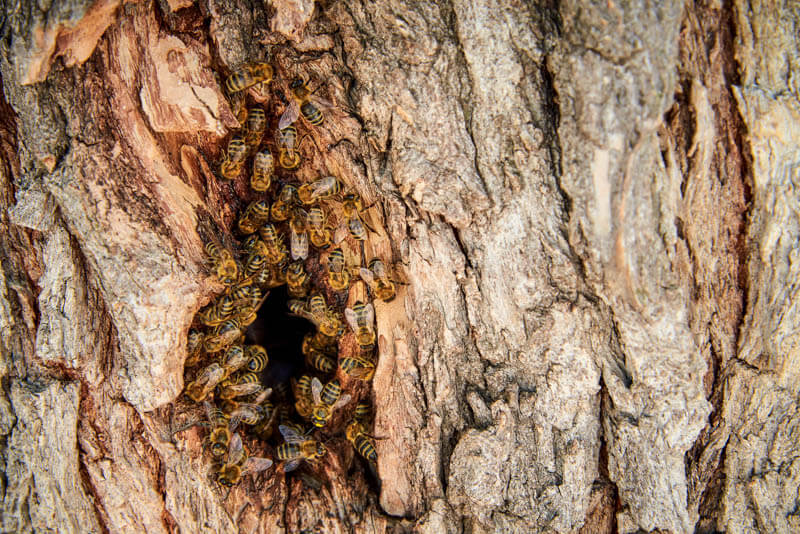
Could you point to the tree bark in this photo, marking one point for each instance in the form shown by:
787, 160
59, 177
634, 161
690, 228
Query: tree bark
592, 207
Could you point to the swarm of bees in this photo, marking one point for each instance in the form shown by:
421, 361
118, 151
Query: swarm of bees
286, 228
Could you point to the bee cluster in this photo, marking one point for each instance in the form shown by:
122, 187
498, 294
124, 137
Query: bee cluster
226, 370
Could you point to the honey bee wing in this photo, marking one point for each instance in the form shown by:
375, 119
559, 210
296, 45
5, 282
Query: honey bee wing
316, 390
352, 318
290, 435
263, 396
235, 449
321, 102
379, 269
344, 399
291, 465
299, 245
256, 465
289, 116
238, 390
234, 422
209, 411
366, 275
369, 314
361, 371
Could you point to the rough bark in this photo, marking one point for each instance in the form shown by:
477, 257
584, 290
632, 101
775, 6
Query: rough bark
592, 204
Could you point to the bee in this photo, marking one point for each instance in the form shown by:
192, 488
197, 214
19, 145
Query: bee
221, 430
325, 319
271, 276
254, 265
274, 251
319, 233
298, 280
321, 189
247, 384
352, 209
338, 274
194, 347
298, 447
321, 362
362, 412
326, 400
255, 73
255, 125
358, 368
249, 413
205, 382
281, 208
253, 216
304, 103
216, 313
239, 108
234, 158
239, 463
361, 442
319, 342
225, 267
302, 393
233, 360
361, 318
249, 299
378, 281
223, 336
257, 358
263, 166
298, 238
288, 157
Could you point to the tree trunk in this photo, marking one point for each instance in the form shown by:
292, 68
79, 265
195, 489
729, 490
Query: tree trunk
592, 209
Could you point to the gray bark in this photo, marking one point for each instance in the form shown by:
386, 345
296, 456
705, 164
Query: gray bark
593, 206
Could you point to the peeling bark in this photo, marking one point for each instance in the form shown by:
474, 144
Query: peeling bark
591, 207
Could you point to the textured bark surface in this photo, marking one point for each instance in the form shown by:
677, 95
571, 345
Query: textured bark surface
593, 205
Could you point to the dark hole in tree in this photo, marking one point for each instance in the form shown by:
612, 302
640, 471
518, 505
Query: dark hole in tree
281, 334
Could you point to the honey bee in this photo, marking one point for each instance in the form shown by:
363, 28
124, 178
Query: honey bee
319, 234
239, 463
319, 342
263, 166
249, 299
298, 238
305, 103
288, 157
378, 281
247, 384
255, 73
302, 393
361, 318
271, 276
225, 267
194, 347
239, 108
249, 413
216, 313
205, 382
338, 274
362, 412
326, 400
298, 447
255, 125
352, 209
234, 158
321, 189
358, 368
361, 441
221, 430
321, 362
223, 336
274, 251
325, 319
255, 264
298, 280
282, 207
253, 216
257, 358
233, 359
